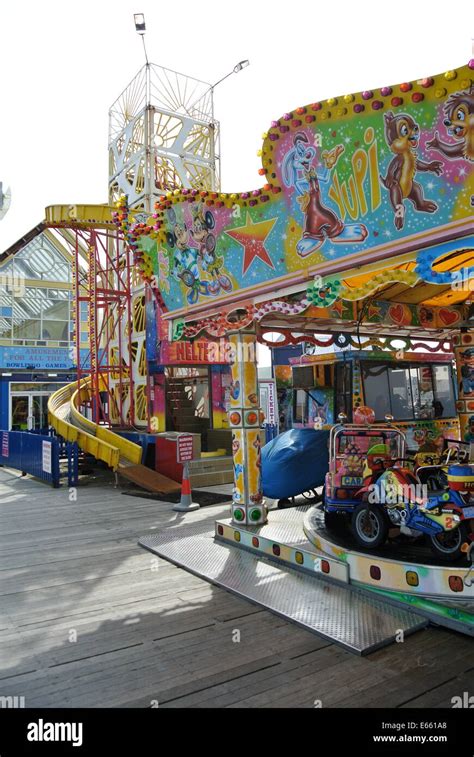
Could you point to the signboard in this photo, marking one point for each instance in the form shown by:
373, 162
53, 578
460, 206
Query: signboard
5, 450
184, 448
32, 358
199, 352
268, 400
47, 457
332, 193
352, 480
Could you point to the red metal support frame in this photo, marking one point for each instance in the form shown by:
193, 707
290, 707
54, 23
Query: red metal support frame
102, 279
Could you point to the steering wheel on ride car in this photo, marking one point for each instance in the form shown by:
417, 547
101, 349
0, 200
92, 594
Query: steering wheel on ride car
403, 460
384, 461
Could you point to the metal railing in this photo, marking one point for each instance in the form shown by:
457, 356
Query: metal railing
39, 453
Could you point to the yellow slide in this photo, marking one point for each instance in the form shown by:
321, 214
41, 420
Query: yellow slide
96, 440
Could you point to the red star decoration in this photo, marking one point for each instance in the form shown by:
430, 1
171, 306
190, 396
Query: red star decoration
252, 237
338, 307
373, 311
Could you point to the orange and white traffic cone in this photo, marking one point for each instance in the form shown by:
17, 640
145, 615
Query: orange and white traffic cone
186, 505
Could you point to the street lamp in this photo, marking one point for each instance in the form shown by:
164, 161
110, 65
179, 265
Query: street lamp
140, 25
140, 28
238, 67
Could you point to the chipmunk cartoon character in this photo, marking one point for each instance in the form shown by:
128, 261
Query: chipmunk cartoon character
423, 437
469, 432
402, 135
459, 121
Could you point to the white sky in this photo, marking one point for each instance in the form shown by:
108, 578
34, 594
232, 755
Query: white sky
64, 63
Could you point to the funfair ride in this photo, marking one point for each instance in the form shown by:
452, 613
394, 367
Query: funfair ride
362, 229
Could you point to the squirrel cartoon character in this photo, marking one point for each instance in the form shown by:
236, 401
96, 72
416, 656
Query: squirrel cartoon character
459, 122
402, 135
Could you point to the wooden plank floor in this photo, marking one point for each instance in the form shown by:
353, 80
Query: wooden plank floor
89, 619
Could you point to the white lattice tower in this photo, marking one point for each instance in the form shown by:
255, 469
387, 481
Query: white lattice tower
162, 136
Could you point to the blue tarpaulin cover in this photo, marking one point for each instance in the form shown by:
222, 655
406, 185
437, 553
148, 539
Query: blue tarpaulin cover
294, 462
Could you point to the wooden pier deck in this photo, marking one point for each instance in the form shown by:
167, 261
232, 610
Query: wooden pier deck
89, 619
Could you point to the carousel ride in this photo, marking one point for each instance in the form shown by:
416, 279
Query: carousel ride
362, 233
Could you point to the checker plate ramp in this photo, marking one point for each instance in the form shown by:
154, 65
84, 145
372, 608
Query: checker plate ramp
358, 623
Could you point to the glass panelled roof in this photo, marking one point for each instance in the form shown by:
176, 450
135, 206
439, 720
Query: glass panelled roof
40, 260
35, 312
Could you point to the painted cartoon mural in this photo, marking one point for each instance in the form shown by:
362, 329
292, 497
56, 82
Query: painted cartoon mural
194, 260
459, 122
344, 178
402, 135
320, 222
321, 407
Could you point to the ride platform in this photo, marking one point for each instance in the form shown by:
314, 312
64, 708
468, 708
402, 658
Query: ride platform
330, 608
403, 575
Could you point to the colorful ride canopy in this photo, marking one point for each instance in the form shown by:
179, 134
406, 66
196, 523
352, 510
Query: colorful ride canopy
349, 181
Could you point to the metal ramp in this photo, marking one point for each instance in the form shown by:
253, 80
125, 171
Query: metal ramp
147, 478
346, 617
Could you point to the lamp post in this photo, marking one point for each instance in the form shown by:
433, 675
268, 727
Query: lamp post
238, 67
140, 28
